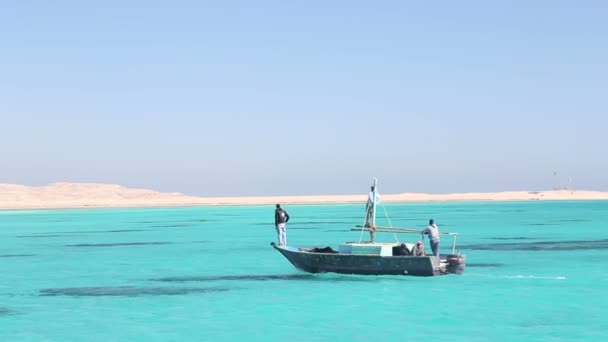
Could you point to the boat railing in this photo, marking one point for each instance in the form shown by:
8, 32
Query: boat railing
406, 231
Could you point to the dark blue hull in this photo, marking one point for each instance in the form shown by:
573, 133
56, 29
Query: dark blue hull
372, 264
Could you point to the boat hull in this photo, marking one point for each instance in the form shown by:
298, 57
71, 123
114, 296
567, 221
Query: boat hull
372, 264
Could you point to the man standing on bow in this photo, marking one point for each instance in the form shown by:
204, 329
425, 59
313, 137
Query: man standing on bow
281, 217
433, 232
372, 198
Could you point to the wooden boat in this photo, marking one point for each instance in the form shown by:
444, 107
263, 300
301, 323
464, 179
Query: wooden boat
375, 258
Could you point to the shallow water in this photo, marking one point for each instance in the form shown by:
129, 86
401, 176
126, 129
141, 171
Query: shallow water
536, 271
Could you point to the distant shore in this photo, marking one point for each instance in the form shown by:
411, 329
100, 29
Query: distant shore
90, 195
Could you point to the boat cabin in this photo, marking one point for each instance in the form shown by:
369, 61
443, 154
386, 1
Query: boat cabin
378, 248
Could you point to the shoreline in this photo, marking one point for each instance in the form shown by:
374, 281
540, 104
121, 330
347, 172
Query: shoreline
92, 196
192, 205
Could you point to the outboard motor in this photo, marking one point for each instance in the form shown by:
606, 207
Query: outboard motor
455, 263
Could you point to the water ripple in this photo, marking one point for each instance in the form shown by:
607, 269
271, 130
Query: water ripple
118, 244
542, 246
482, 264
89, 232
44, 236
6, 311
126, 291
171, 225
542, 224
16, 255
253, 277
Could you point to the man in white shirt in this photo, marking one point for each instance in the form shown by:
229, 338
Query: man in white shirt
433, 232
369, 212
370, 197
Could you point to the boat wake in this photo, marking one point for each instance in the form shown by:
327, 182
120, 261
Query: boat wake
531, 276
517, 276
534, 277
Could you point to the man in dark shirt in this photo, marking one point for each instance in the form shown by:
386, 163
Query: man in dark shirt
281, 217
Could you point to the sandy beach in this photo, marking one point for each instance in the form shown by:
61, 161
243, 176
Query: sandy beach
91, 195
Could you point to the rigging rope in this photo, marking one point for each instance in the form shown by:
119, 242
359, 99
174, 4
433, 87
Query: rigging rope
390, 224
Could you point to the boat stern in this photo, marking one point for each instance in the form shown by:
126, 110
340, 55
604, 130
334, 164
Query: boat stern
455, 263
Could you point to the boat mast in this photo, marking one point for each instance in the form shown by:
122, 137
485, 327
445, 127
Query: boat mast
374, 199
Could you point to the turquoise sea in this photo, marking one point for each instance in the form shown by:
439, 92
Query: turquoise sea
536, 271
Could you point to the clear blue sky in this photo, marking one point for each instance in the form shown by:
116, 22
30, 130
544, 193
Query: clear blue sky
305, 97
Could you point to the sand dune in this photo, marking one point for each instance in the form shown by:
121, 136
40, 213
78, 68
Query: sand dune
84, 195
